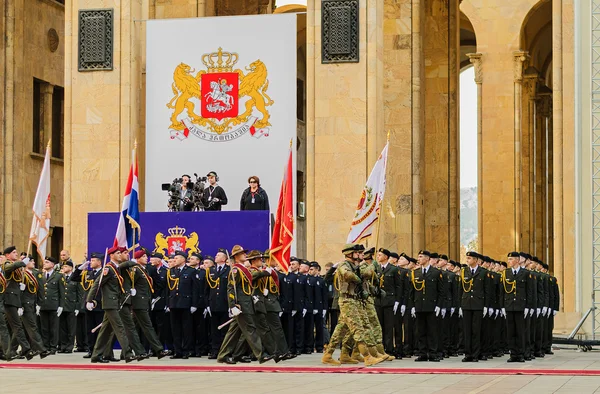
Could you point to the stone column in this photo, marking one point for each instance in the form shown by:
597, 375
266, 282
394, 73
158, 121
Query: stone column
418, 127
519, 58
8, 193
46, 134
201, 8
545, 111
530, 80
476, 60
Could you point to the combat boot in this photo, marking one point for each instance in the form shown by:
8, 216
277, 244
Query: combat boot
345, 358
327, 359
367, 354
381, 353
357, 356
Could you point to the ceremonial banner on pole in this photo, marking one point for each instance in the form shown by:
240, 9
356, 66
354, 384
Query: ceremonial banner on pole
283, 231
128, 229
369, 204
40, 226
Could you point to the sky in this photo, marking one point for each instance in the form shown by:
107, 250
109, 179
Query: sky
468, 129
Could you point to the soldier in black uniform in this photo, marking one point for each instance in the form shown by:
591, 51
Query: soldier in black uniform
200, 340
182, 295
448, 278
160, 319
4, 334
308, 334
68, 318
542, 306
388, 302
425, 293
286, 300
487, 333
319, 307
518, 294
554, 307
53, 305
532, 304
216, 280
299, 309
85, 275
401, 264
455, 322
409, 325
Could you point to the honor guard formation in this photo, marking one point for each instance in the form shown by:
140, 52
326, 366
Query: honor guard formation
239, 307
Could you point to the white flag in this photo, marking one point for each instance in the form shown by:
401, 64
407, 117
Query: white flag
40, 226
369, 205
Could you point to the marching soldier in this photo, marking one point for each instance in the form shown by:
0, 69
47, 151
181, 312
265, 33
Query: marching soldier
425, 293
182, 291
216, 279
4, 334
144, 291
53, 304
68, 319
272, 286
241, 308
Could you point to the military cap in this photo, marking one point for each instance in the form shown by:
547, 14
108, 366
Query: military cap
122, 249
305, 262
434, 255
157, 255
208, 257
180, 253
139, 253
97, 255
69, 263
369, 252
237, 249
535, 259
425, 252
222, 250
254, 254
10, 249
51, 259
360, 247
545, 266
514, 254
348, 248
503, 263
403, 255
267, 254
471, 253
113, 250
412, 260
199, 255
384, 251
443, 257
394, 255
314, 264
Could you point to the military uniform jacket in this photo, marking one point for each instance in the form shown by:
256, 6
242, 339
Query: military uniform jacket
34, 291
14, 276
286, 291
331, 285
144, 288
259, 283
518, 290
300, 290
273, 287
426, 289
85, 279
239, 289
110, 283
127, 276
182, 288
310, 291
2, 290
350, 283
406, 278
217, 289
321, 304
202, 301
543, 292
73, 294
54, 291
317, 291
475, 291
451, 294
493, 298
392, 285
457, 290
159, 281
554, 298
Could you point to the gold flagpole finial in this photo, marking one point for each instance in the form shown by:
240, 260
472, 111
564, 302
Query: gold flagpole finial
388, 135
49, 143
291, 141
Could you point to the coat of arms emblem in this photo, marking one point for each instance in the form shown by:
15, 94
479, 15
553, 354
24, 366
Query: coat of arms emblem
232, 101
176, 241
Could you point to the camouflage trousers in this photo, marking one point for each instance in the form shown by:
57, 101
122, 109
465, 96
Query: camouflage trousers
352, 325
374, 325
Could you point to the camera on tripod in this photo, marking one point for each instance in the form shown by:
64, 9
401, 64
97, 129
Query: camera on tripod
191, 200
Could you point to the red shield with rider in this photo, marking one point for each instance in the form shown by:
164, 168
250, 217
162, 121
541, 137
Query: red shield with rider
219, 95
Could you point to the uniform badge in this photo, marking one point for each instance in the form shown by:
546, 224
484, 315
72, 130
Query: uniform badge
231, 296
40, 276
440, 276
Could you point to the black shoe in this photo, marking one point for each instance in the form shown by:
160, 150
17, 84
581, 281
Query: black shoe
277, 358
512, 360
80, 350
130, 359
53, 352
549, 352
435, 359
264, 358
89, 355
99, 360
142, 356
31, 354
467, 359
539, 354
527, 358
176, 357
113, 360
163, 353
44, 354
227, 360
212, 356
185, 357
398, 356
421, 358
483, 358
453, 354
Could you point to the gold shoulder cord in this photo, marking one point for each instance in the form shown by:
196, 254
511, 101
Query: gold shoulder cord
465, 282
2, 283
172, 282
131, 274
273, 286
19, 275
416, 282
336, 281
32, 285
213, 284
246, 286
506, 281
86, 284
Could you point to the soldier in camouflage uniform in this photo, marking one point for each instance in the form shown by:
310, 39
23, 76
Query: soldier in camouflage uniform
352, 314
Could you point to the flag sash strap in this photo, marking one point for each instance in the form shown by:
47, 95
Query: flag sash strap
245, 271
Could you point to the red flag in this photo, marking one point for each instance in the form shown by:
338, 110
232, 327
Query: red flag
283, 231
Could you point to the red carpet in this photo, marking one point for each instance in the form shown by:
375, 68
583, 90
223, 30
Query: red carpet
299, 369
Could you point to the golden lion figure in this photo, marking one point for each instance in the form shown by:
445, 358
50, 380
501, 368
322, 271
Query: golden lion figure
254, 85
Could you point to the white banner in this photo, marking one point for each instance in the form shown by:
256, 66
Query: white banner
220, 96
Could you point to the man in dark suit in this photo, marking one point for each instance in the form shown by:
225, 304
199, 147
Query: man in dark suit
387, 304
160, 319
182, 301
425, 293
216, 281
517, 298
53, 305
286, 299
214, 196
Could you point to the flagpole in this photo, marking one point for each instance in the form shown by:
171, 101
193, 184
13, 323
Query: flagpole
381, 203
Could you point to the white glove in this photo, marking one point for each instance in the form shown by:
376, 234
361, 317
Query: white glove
548, 312
37, 309
235, 311
280, 313
269, 269
437, 311
216, 199
452, 310
22, 286
83, 266
531, 312
443, 313
497, 311
89, 306
484, 311
402, 310
412, 312
59, 311
526, 312
315, 311
204, 313
554, 313
193, 309
460, 312
209, 312
396, 306
293, 313
537, 312
324, 313
544, 310
303, 312
76, 312
167, 310
133, 292
490, 312
20, 311
335, 265
26, 260
504, 312
152, 304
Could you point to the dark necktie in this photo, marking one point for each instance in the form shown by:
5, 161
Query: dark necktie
473, 271
218, 269
514, 272
47, 276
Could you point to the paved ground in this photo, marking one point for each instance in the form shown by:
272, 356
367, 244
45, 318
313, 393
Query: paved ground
46, 380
